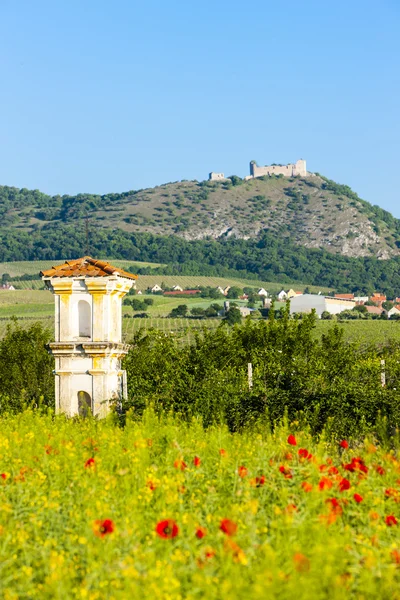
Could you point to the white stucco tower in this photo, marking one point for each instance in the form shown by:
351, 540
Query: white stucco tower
88, 339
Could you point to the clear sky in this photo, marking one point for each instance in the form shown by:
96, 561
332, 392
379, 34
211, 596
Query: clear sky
112, 95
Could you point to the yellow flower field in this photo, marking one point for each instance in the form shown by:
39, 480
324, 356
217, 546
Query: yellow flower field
162, 509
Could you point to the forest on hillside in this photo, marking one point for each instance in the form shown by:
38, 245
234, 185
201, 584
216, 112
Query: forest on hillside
266, 257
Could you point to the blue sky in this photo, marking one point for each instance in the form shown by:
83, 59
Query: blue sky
101, 96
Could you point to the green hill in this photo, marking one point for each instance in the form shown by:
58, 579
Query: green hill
275, 229
313, 212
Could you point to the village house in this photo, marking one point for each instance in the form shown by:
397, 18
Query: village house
374, 310
262, 292
223, 291
156, 288
395, 310
282, 295
177, 288
245, 311
378, 299
7, 286
292, 294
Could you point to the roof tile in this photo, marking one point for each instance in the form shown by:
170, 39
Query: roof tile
86, 266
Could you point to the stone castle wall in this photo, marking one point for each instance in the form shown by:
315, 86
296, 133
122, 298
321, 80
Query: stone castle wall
292, 170
216, 177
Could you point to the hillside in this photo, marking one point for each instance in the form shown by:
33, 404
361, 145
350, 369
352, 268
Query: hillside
312, 212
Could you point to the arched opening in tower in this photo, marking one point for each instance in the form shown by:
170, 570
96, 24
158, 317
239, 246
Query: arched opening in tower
84, 404
85, 319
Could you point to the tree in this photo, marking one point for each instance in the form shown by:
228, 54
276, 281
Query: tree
138, 304
326, 316
26, 368
235, 180
148, 301
179, 311
233, 316
197, 311
234, 292
361, 308
387, 305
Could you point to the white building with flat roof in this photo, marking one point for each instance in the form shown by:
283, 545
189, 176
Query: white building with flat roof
307, 302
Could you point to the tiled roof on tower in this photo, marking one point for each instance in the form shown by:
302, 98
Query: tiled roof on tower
86, 267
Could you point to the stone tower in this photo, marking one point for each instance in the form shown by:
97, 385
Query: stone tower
88, 340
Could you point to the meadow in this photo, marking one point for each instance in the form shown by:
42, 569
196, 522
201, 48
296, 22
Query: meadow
167, 509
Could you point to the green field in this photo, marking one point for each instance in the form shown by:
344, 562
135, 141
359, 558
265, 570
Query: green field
165, 510
33, 305
17, 269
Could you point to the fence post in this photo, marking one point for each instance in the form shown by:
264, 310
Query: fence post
383, 373
250, 375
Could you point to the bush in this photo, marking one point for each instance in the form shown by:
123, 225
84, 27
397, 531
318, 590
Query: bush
26, 368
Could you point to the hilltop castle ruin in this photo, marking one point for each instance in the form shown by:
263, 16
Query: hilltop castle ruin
298, 169
292, 170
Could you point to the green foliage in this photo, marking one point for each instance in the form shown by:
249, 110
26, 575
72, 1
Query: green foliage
326, 381
265, 257
26, 376
233, 316
234, 292
179, 311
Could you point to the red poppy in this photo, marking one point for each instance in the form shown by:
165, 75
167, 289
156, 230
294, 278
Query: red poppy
333, 471
209, 553
307, 486
200, 532
242, 471
196, 461
358, 498
392, 493
380, 470
167, 529
292, 440
391, 520
228, 527
304, 453
288, 456
344, 444
103, 528
344, 484
90, 462
286, 472
356, 464
152, 486
259, 481
180, 464
291, 508
301, 562
333, 501
222, 452
3, 475
325, 483
395, 554
335, 506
